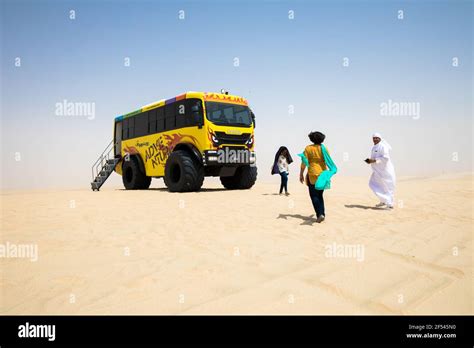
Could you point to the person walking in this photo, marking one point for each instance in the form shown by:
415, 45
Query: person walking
320, 170
382, 180
281, 166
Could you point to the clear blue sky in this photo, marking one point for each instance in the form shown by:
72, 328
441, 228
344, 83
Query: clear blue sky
282, 62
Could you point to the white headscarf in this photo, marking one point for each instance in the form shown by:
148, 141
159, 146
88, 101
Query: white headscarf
382, 140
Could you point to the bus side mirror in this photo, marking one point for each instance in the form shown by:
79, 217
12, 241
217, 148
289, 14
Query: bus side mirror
253, 118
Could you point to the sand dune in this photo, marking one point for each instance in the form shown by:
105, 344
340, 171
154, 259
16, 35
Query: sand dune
237, 252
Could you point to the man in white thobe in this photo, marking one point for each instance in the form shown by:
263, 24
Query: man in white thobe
382, 181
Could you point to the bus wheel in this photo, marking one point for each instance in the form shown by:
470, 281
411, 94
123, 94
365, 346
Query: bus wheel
183, 173
244, 178
132, 177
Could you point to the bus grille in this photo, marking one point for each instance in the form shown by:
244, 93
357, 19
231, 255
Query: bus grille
224, 138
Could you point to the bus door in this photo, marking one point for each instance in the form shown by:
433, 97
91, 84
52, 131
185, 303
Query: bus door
118, 139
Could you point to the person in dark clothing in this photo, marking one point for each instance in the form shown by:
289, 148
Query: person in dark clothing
281, 167
318, 202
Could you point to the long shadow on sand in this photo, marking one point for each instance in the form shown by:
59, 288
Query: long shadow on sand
365, 207
307, 220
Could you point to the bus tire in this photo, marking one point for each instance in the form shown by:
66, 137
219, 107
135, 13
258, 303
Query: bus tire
133, 177
183, 173
243, 179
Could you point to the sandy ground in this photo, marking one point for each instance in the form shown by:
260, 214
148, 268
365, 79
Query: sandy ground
217, 251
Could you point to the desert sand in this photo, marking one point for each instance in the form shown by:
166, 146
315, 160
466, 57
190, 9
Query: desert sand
241, 252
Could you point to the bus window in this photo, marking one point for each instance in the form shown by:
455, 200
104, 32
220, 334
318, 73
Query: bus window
131, 127
141, 124
160, 117
170, 117
125, 129
193, 112
152, 121
180, 112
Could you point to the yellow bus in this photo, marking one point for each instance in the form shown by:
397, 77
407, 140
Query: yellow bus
182, 140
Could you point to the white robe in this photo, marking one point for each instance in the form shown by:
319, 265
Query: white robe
382, 181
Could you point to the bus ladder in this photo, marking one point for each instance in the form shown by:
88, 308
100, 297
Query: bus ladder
103, 167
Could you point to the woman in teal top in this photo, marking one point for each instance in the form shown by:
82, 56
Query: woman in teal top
320, 170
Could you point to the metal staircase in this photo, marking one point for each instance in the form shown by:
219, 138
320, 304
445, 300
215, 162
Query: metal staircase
103, 167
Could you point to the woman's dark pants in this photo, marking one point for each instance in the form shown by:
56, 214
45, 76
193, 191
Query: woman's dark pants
317, 199
284, 182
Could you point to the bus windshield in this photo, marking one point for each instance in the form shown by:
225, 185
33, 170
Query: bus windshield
228, 114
